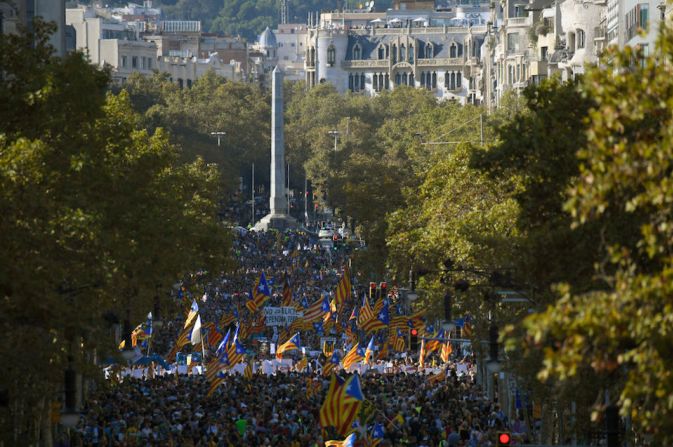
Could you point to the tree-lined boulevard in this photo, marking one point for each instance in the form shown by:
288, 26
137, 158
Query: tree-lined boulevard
536, 240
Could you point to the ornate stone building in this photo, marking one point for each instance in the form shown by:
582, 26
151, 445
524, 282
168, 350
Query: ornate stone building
435, 49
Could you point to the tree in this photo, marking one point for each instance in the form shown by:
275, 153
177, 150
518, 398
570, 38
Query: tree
622, 330
96, 212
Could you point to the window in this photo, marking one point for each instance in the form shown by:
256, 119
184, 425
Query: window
398, 79
394, 54
423, 79
411, 54
403, 53
544, 53
580, 39
404, 78
362, 81
412, 81
458, 79
382, 53
142, 62
434, 79
331, 55
429, 51
149, 63
513, 42
124, 61
189, 83
351, 84
134, 62
453, 50
357, 52
387, 81
636, 20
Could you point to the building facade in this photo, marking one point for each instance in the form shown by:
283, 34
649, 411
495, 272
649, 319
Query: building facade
408, 46
18, 13
146, 45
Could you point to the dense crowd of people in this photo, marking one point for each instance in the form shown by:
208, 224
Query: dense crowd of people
282, 408
275, 411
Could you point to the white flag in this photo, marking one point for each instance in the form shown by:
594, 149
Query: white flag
196, 331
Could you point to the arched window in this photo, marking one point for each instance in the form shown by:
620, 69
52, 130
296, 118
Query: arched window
351, 85
357, 52
412, 81
434, 79
459, 48
403, 53
331, 55
312, 56
411, 54
422, 79
362, 81
447, 78
458, 79
375, 82
404, 78
398, 79
453, 50
387, 81
581, 39
382, 52
429, 51
394, 51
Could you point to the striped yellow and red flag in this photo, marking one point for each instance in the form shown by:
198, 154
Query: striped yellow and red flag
247, 372
437, 378
301, 364
287, 293
355, 355
446, 351
343, 291
366, 313
421, 356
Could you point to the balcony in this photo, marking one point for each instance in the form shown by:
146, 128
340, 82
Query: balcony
369, 63
444, 61
520, 21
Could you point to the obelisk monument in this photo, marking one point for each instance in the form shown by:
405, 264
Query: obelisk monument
278, 218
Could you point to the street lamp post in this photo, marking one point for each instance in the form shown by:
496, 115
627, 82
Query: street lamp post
219, 134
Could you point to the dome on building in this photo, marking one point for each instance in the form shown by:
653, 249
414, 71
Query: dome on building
267, 39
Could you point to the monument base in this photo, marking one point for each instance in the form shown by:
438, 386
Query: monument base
276, 222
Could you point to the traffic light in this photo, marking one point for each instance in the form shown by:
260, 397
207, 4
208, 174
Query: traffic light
504, 439
384, 290
372, 290
413, 339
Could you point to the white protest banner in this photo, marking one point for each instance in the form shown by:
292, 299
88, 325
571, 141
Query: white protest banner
281, 316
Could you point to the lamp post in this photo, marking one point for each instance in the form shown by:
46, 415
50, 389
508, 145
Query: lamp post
219, 134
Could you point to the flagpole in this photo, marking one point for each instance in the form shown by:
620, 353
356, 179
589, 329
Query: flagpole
203, 348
